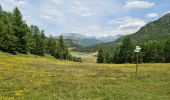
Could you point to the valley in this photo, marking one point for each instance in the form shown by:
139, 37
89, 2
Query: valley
84, 50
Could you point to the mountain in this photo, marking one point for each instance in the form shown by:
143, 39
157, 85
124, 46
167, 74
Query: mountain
73, 43
83, 39
157, 30
109, 38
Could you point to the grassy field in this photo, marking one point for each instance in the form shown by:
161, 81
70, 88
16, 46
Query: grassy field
89, 59
86, 57
43, 78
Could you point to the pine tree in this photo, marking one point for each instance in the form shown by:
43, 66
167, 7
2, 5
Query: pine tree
62, 48
7, 37
100, 56
51, 47
29, 38
108, 57
167, 51
1, 11
38, 47
20, 30
126, 51
153, 52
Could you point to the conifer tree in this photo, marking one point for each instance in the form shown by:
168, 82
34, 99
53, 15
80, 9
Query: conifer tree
62, 48
38, 41
51, 47
153, 52
126, 51
7, 37
108, 57
20, 30
167, 51
100, 56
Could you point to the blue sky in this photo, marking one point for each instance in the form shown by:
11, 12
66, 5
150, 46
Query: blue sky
89, 17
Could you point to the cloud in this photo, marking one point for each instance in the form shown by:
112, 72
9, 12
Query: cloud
167, 12
138, 4
51, 13
152, 15
13, 3
128, 25
86, 16
58, 2
51, 19
79, 9
95, 27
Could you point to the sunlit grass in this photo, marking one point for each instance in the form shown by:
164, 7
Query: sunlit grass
89, 59
44, 78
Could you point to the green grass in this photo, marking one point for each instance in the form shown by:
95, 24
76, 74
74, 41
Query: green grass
86, 57
43, 78
89, 59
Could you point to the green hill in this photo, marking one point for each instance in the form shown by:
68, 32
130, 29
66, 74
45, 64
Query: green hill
156, 30
73, 43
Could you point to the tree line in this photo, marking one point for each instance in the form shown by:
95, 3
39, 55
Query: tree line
17, 37
152, 51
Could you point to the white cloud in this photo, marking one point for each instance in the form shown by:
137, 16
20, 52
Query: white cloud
51, 19
79, 9
13, 2
51, 13
79, 16
127, 25
138, 4
58, 2
95, 27
152, 15
167, 12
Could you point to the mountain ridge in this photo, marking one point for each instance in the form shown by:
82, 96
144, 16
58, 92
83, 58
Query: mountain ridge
156, 30
85, 40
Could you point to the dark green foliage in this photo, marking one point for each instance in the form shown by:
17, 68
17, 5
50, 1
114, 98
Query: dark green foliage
126, 51
153, 52
105, 46
8, 39
76, 59
62, 49
100, 56
20, 30
114, 57
107, 57
167, 50
38, 45
51, 46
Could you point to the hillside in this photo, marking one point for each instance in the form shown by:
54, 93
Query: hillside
73, 43
105, 46
82, 39
156, 30
86, 41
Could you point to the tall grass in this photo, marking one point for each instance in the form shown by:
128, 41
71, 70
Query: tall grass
43, 78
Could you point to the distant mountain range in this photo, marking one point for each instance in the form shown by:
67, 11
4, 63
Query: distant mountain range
73, 43
85, 41
109, 38
157, 30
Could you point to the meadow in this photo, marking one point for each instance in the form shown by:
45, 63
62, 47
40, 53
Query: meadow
28, 77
